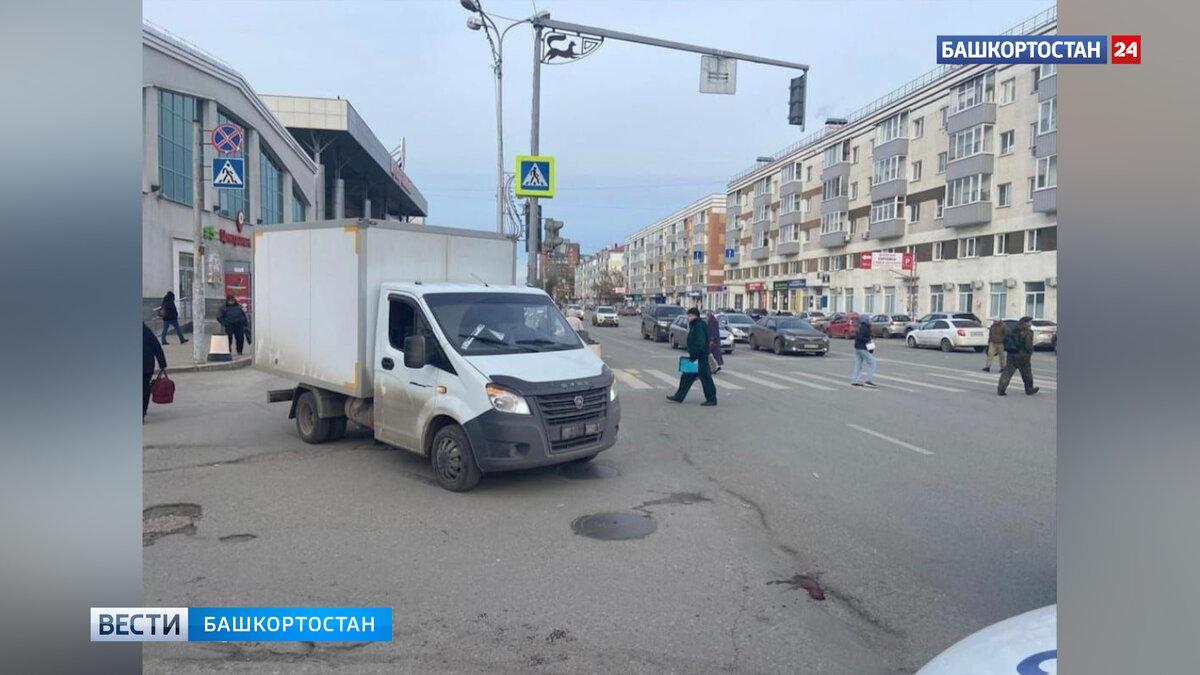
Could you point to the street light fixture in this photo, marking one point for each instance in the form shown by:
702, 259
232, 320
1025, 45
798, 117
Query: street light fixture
474, 23
470, 5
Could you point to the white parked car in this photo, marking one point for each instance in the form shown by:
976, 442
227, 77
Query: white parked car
605, 315
1045, 333
1026, 644
950, 334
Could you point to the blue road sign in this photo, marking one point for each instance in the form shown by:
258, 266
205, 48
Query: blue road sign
535, 174
229, 173
227, 138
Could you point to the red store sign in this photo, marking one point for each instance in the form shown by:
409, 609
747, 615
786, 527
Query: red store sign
233, 239
754, 287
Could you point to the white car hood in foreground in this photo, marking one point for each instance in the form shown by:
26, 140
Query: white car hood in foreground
1026, 644
570, 364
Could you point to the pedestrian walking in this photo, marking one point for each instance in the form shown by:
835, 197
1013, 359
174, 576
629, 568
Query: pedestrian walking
1018, 344
169, 313
697, 347
864, 353
152, 353
714, 340
233, 319
995, 348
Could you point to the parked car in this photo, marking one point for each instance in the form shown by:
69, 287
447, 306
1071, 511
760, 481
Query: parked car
1045, 332
950, 334
817, 319
656, 320
782, 312
843, 325
913, 325
737, 323
888, 325
629, 310
756, 313
788, 334
574, 310
679, 331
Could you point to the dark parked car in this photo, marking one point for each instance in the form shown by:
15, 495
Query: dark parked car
889, 325
737, 323
756, 313
817, 319
656, 321
788, 334
843, 325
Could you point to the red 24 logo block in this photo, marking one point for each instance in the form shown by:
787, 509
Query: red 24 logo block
1127, 49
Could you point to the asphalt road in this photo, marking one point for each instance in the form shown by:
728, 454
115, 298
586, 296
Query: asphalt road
919, 512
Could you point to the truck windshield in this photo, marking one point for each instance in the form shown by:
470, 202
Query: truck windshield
501, 323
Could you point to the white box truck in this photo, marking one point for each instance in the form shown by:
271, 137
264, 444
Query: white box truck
418, 334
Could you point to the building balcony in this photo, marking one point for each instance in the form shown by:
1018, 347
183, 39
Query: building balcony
966, 215
766, 198
761, 253
1045, 201
974, 165
840, 169
896, 146
790, 188
1046, 144
760, 226
887, 229
836, 204
889, 189
792, 218
984, 113
787, 248
835, 239
1047, 88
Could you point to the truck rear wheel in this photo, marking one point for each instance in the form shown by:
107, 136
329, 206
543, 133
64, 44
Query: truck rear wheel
312, 429
453, 461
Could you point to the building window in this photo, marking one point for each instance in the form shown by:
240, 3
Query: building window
854, 155
889, 299
914, 212
849, 299
271, 178
1008, 90
297, 209
835, 301
761, 239
1033, 241
808, 173
807, 236
176, 113
966, 297
868, 301
938, 250
918, 127
1047, 70
916, 171
939, 209
1033, 134
1048, 116
945, 113
232, 202
789, 173
975, 91
888, 169
1004, 194
834, 187
1032, 187
854, 190
941, 162
973, 141
968, 248
999, 300
891, 129
761, 212
1007, 140
1047, 175
937, 299
1035, 299
969, 190
887, 209
837, 153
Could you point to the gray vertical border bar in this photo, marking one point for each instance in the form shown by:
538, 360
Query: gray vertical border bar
1128, 457
70, 267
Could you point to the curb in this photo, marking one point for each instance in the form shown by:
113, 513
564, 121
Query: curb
207, 367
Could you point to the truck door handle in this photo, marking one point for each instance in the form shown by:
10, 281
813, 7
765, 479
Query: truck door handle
418, 384
388, 363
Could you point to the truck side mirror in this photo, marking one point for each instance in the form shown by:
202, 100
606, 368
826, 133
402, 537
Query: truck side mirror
414, 352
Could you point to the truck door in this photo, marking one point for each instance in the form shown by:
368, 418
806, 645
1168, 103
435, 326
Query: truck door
401, 393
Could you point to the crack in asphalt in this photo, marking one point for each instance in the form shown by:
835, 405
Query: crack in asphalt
261, 457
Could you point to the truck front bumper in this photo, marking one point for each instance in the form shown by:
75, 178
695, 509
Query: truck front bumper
505, 442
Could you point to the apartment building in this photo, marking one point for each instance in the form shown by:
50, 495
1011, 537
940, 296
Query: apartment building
957, 168
596, 270
679, 259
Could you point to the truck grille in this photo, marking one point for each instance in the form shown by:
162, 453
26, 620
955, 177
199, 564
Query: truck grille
559, 410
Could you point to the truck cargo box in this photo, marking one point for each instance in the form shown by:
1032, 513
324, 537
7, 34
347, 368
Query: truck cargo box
316, 290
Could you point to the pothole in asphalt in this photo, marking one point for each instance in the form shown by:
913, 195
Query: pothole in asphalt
678, 498
803, 582
238, 538
586, 471
614, 526
163, 519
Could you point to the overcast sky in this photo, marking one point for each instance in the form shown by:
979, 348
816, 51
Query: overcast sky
633, 137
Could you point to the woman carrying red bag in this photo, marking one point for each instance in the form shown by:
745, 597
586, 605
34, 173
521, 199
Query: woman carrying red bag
151, 353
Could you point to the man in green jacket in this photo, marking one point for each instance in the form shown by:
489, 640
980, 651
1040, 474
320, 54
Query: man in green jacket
1019, 346
697, 347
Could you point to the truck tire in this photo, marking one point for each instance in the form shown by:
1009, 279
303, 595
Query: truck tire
337, 428
453, 461
312, 429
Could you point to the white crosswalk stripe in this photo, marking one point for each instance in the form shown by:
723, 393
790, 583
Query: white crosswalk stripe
757, 380
793, 380
992, 381
673, 381
846, 383
921, 384
630, 380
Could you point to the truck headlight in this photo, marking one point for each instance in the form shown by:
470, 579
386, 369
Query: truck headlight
507, 401
612, 394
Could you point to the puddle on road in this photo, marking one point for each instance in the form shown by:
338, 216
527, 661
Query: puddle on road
586, 471
613, 526
803, 582
238, 538
164, 519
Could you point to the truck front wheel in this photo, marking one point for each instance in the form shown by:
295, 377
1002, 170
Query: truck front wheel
309, 425
453, 461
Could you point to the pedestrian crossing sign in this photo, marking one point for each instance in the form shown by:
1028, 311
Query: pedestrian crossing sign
535, 176
229, 173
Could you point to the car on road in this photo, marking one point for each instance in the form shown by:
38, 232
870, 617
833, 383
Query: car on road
788, 334
843, 325
817, 319
605, 315
950, 334
913, 325
756, 313
629, 310
574, 310
737, 323
679, 331
1045, 332
656, 321
889, 325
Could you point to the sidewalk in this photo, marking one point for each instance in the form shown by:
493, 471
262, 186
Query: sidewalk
179, 357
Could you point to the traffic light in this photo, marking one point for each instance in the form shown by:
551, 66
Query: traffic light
553, 235
796, 101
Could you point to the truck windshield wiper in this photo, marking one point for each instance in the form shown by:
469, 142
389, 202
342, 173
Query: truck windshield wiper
487, 339
549, 344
